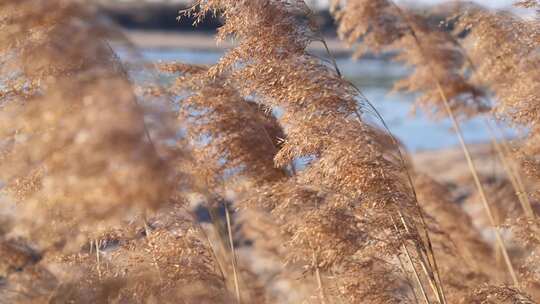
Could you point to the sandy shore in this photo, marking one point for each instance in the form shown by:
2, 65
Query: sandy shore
449, 165
206, 42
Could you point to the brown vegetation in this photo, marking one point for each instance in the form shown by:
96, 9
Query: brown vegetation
273, 184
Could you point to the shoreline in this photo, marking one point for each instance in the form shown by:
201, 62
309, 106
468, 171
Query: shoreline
165, 40
448, 162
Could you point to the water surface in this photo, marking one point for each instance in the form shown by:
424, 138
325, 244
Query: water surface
375, 78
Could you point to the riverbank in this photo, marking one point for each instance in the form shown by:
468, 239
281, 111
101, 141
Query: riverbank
200, 41
448, 165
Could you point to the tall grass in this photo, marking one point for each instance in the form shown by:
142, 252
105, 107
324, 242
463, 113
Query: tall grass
118, 190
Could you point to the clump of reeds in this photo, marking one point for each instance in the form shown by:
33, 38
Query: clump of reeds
79, 160
352, 199
421, 44
457, 79
71, 148
234, 143
170, 263
281, 150
503, 49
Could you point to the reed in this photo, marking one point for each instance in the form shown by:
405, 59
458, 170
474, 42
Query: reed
264, 178
440, 74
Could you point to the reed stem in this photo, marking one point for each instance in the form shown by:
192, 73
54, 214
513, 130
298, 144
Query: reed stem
98, 258
513, 175
320, 285
409, 258
439, 288
233, 256
480, 188
466, 151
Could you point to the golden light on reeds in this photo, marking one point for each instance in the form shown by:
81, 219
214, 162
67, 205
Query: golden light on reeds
102, 175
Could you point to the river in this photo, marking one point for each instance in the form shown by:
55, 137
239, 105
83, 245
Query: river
374, 77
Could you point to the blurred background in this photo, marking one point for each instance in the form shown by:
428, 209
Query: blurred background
154, 27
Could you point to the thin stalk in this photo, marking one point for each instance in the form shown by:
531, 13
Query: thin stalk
504, 153
440, 290
207, 239
98, 259
402, 266
515, 179
512, 176
416, 275
480, 188
334, 62
439, 287
52, 294
224, 247
466, 151
320, 285
429, 274
508, 152
408, 255
233, 255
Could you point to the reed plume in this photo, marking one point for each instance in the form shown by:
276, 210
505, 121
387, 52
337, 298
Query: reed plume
348, 178
81, 157
436, 61
503, 49
310, 196
381, 26
515, 55
168, 263
70, 148
463, 253
237, 137
234, 143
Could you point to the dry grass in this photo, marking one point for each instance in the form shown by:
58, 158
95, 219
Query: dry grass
117, 190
